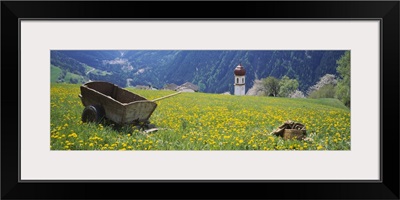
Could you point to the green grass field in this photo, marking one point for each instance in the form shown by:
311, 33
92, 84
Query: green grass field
199, 121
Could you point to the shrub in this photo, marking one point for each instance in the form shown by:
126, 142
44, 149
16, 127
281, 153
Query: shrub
326, 91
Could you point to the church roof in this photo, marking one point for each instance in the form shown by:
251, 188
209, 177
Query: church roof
239, 70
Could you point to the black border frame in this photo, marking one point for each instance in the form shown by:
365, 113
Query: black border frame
386, 11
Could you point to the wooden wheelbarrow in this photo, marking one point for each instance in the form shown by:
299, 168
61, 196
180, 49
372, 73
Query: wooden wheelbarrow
107, 100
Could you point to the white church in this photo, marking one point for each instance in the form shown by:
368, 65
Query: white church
240, 78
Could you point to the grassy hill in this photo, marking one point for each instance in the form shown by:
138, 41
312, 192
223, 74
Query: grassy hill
200, 121
59, 75
55, 73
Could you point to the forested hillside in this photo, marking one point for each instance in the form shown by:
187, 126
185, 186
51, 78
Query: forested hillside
211, 70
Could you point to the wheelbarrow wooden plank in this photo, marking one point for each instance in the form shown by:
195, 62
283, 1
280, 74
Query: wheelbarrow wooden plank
139, 111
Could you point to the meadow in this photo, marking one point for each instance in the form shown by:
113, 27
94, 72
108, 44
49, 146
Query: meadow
200, 121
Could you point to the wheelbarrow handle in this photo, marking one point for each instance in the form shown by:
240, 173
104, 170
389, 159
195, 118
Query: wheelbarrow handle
154, 100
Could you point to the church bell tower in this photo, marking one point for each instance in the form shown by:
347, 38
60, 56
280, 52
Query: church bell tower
240, 78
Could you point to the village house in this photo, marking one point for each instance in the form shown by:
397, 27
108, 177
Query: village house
186, 87
171, 86
145, 87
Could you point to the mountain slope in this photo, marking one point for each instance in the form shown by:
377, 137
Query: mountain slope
212, 70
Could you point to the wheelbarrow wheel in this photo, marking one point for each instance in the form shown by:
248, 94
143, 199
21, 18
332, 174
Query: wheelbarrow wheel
93, 114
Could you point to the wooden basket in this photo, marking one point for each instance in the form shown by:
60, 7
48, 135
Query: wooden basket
294, 134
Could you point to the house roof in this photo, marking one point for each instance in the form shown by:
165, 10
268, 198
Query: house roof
171, 86
184, 89
190, 86
142, 86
